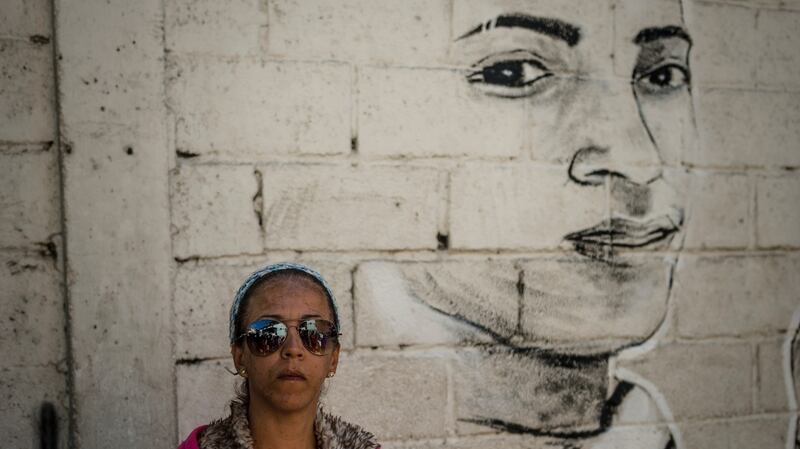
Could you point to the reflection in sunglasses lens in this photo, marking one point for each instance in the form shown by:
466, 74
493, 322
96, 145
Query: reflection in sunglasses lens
265, 340
314, 341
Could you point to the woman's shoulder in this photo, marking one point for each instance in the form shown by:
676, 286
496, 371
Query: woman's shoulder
333, 432
193, 440
232, 432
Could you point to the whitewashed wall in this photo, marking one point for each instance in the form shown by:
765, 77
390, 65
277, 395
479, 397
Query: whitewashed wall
343, 134
33, 360
202, 139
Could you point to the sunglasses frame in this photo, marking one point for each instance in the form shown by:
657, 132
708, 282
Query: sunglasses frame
252, 332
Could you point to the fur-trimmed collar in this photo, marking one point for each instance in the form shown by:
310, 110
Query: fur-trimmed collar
331, 432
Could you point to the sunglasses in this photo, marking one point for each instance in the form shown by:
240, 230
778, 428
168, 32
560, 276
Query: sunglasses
266, 336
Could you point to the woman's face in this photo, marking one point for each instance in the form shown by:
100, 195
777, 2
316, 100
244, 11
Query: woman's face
607, 106
291, 378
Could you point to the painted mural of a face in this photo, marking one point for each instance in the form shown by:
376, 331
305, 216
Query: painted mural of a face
606, 93
609, 103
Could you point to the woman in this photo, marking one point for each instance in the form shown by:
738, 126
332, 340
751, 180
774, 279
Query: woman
284, 335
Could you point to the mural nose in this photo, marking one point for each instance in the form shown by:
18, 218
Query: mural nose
593, 165
616, 141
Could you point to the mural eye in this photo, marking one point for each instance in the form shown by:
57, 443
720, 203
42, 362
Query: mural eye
512, 75
664, 79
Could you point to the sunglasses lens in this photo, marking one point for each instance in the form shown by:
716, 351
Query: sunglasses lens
265, 337
317, 335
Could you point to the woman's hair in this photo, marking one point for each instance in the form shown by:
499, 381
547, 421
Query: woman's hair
266, 281
235, 327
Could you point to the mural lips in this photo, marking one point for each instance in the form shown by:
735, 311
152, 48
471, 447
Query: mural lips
619, 232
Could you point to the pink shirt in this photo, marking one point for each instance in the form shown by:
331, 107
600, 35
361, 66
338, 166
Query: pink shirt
191, 441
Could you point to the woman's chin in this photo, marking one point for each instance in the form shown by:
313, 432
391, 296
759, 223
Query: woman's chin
288, 401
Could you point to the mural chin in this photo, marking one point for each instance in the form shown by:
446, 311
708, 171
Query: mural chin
578, 305
569, 305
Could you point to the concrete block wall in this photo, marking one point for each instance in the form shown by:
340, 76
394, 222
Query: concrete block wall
345, 135
456, 217
33, 358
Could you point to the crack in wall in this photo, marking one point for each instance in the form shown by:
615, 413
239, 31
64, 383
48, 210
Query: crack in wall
258, 201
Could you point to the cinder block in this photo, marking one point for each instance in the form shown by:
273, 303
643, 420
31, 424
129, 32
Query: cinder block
336, 207
24, 389
700, 380
744, 433
102, 75
621, 436
27, 102
732, 123
395, 397
31, 303
213, 212
779, 48
25, 18
411, 32
519, 206
725, 49
233, 27
719, 211
249, 108
434, 113
578, 304
735, 295
204, 392
778, 221
203, 297
416, 444
29, 199
503, 440
771, 391
431, 303
520, 388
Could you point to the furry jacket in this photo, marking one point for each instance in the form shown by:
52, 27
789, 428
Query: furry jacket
233, 432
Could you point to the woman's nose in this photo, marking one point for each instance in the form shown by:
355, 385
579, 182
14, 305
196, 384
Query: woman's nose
293, 346
612, 138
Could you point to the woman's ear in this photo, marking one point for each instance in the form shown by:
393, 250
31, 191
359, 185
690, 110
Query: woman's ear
237, 353
334, 358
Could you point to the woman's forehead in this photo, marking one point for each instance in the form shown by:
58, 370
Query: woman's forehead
288, 298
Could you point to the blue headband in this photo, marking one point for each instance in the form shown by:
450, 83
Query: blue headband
259, 274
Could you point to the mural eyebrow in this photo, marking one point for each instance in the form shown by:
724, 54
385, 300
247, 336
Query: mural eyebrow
551, 27
651, 34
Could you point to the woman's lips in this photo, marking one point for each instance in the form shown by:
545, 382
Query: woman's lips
291, 375
623, 233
